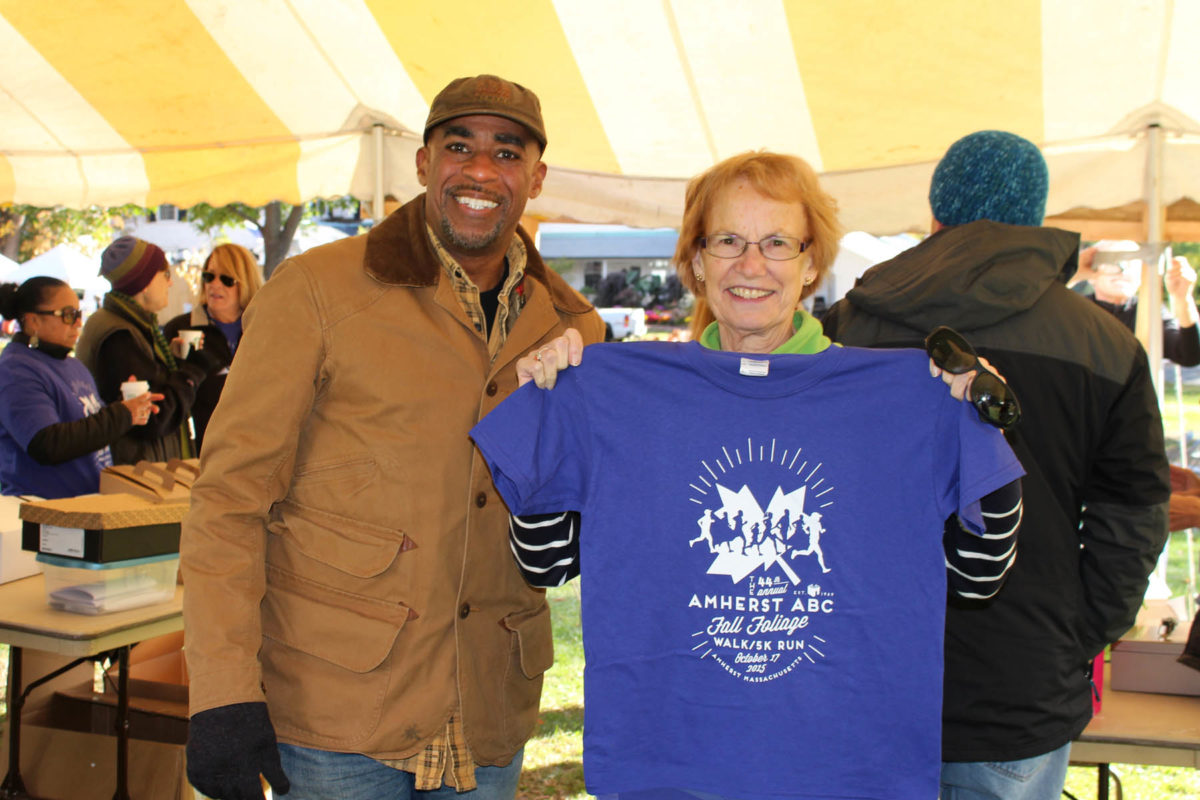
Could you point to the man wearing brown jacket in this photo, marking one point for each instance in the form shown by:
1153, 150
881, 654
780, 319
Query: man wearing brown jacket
349, 587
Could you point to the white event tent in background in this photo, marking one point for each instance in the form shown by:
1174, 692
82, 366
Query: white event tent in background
180, 101
64, 262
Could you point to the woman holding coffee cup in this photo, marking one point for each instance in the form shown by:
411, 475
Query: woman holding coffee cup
230, 278
54, 431
122, 342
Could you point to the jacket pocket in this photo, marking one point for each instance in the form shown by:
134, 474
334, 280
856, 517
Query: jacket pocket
534, 640
350, 630
352, 485
357, 548
331, 617
531, 654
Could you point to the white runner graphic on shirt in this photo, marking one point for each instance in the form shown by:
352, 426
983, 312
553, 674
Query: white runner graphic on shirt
769, 622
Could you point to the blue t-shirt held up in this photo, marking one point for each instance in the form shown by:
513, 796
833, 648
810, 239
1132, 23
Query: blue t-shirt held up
38, 390
761, 548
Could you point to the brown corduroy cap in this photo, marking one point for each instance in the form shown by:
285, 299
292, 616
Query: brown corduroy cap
488, 94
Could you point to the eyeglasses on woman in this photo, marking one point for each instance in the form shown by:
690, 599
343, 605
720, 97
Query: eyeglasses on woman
730, 245
68, 314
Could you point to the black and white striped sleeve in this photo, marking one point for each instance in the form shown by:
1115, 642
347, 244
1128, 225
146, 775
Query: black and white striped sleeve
977, 565
546, 547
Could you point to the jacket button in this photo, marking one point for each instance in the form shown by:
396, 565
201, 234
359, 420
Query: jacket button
464, 610
480, 500
492, 388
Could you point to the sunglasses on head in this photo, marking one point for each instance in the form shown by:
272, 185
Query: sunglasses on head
69, 314
993, 399
209, 277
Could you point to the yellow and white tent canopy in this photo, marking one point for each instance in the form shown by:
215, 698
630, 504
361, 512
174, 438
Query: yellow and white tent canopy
180, 101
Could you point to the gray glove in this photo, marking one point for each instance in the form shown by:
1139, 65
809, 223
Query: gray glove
228, 747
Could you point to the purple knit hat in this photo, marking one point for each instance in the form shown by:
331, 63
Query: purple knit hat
129, 264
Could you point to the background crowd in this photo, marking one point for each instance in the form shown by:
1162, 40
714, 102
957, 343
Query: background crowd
63, 419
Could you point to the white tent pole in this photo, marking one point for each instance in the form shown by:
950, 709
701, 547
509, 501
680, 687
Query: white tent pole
377, 203
1155, 135
1149, 326
1180, 417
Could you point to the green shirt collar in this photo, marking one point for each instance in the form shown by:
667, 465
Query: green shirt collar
808, 338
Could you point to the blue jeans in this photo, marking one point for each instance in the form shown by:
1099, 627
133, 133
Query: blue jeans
1038, 778
322, 775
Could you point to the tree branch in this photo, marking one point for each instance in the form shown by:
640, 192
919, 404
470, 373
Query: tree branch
249, 218
293, 222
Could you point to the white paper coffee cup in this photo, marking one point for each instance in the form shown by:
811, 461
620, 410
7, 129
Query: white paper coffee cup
190, 339
132, 389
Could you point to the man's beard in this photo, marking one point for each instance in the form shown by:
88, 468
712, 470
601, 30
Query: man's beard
479, 241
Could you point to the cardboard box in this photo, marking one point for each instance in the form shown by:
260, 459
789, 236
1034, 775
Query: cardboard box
185, 470
1142, 662
64, 763
157, 710
101, 527
160, 659
147, 480
68, 749
14, 562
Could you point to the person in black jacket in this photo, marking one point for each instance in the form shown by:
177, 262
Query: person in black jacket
1114, 271
229, 280
122, 341
1017, 676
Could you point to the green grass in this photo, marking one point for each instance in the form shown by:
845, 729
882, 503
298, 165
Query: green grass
553, 766
1171, 409
1177, 561
1137, 781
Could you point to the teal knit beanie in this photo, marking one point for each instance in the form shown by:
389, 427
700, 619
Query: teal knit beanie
991, 175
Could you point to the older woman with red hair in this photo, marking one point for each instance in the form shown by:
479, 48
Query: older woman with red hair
834, 491
230, 278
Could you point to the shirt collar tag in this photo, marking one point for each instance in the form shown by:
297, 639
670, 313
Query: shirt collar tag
754, 367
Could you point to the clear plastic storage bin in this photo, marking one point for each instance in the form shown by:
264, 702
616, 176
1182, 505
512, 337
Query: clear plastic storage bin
87, 587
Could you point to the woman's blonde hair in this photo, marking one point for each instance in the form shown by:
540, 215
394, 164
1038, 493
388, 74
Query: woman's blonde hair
241, 264
782, 178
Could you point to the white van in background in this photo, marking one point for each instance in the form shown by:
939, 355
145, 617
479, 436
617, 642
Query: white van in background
621, 323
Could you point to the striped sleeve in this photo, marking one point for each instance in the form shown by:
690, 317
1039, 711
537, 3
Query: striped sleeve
977, 565
546, 547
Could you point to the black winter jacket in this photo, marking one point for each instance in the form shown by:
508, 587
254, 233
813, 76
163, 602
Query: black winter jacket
113, 348
215, 345
1096, 484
